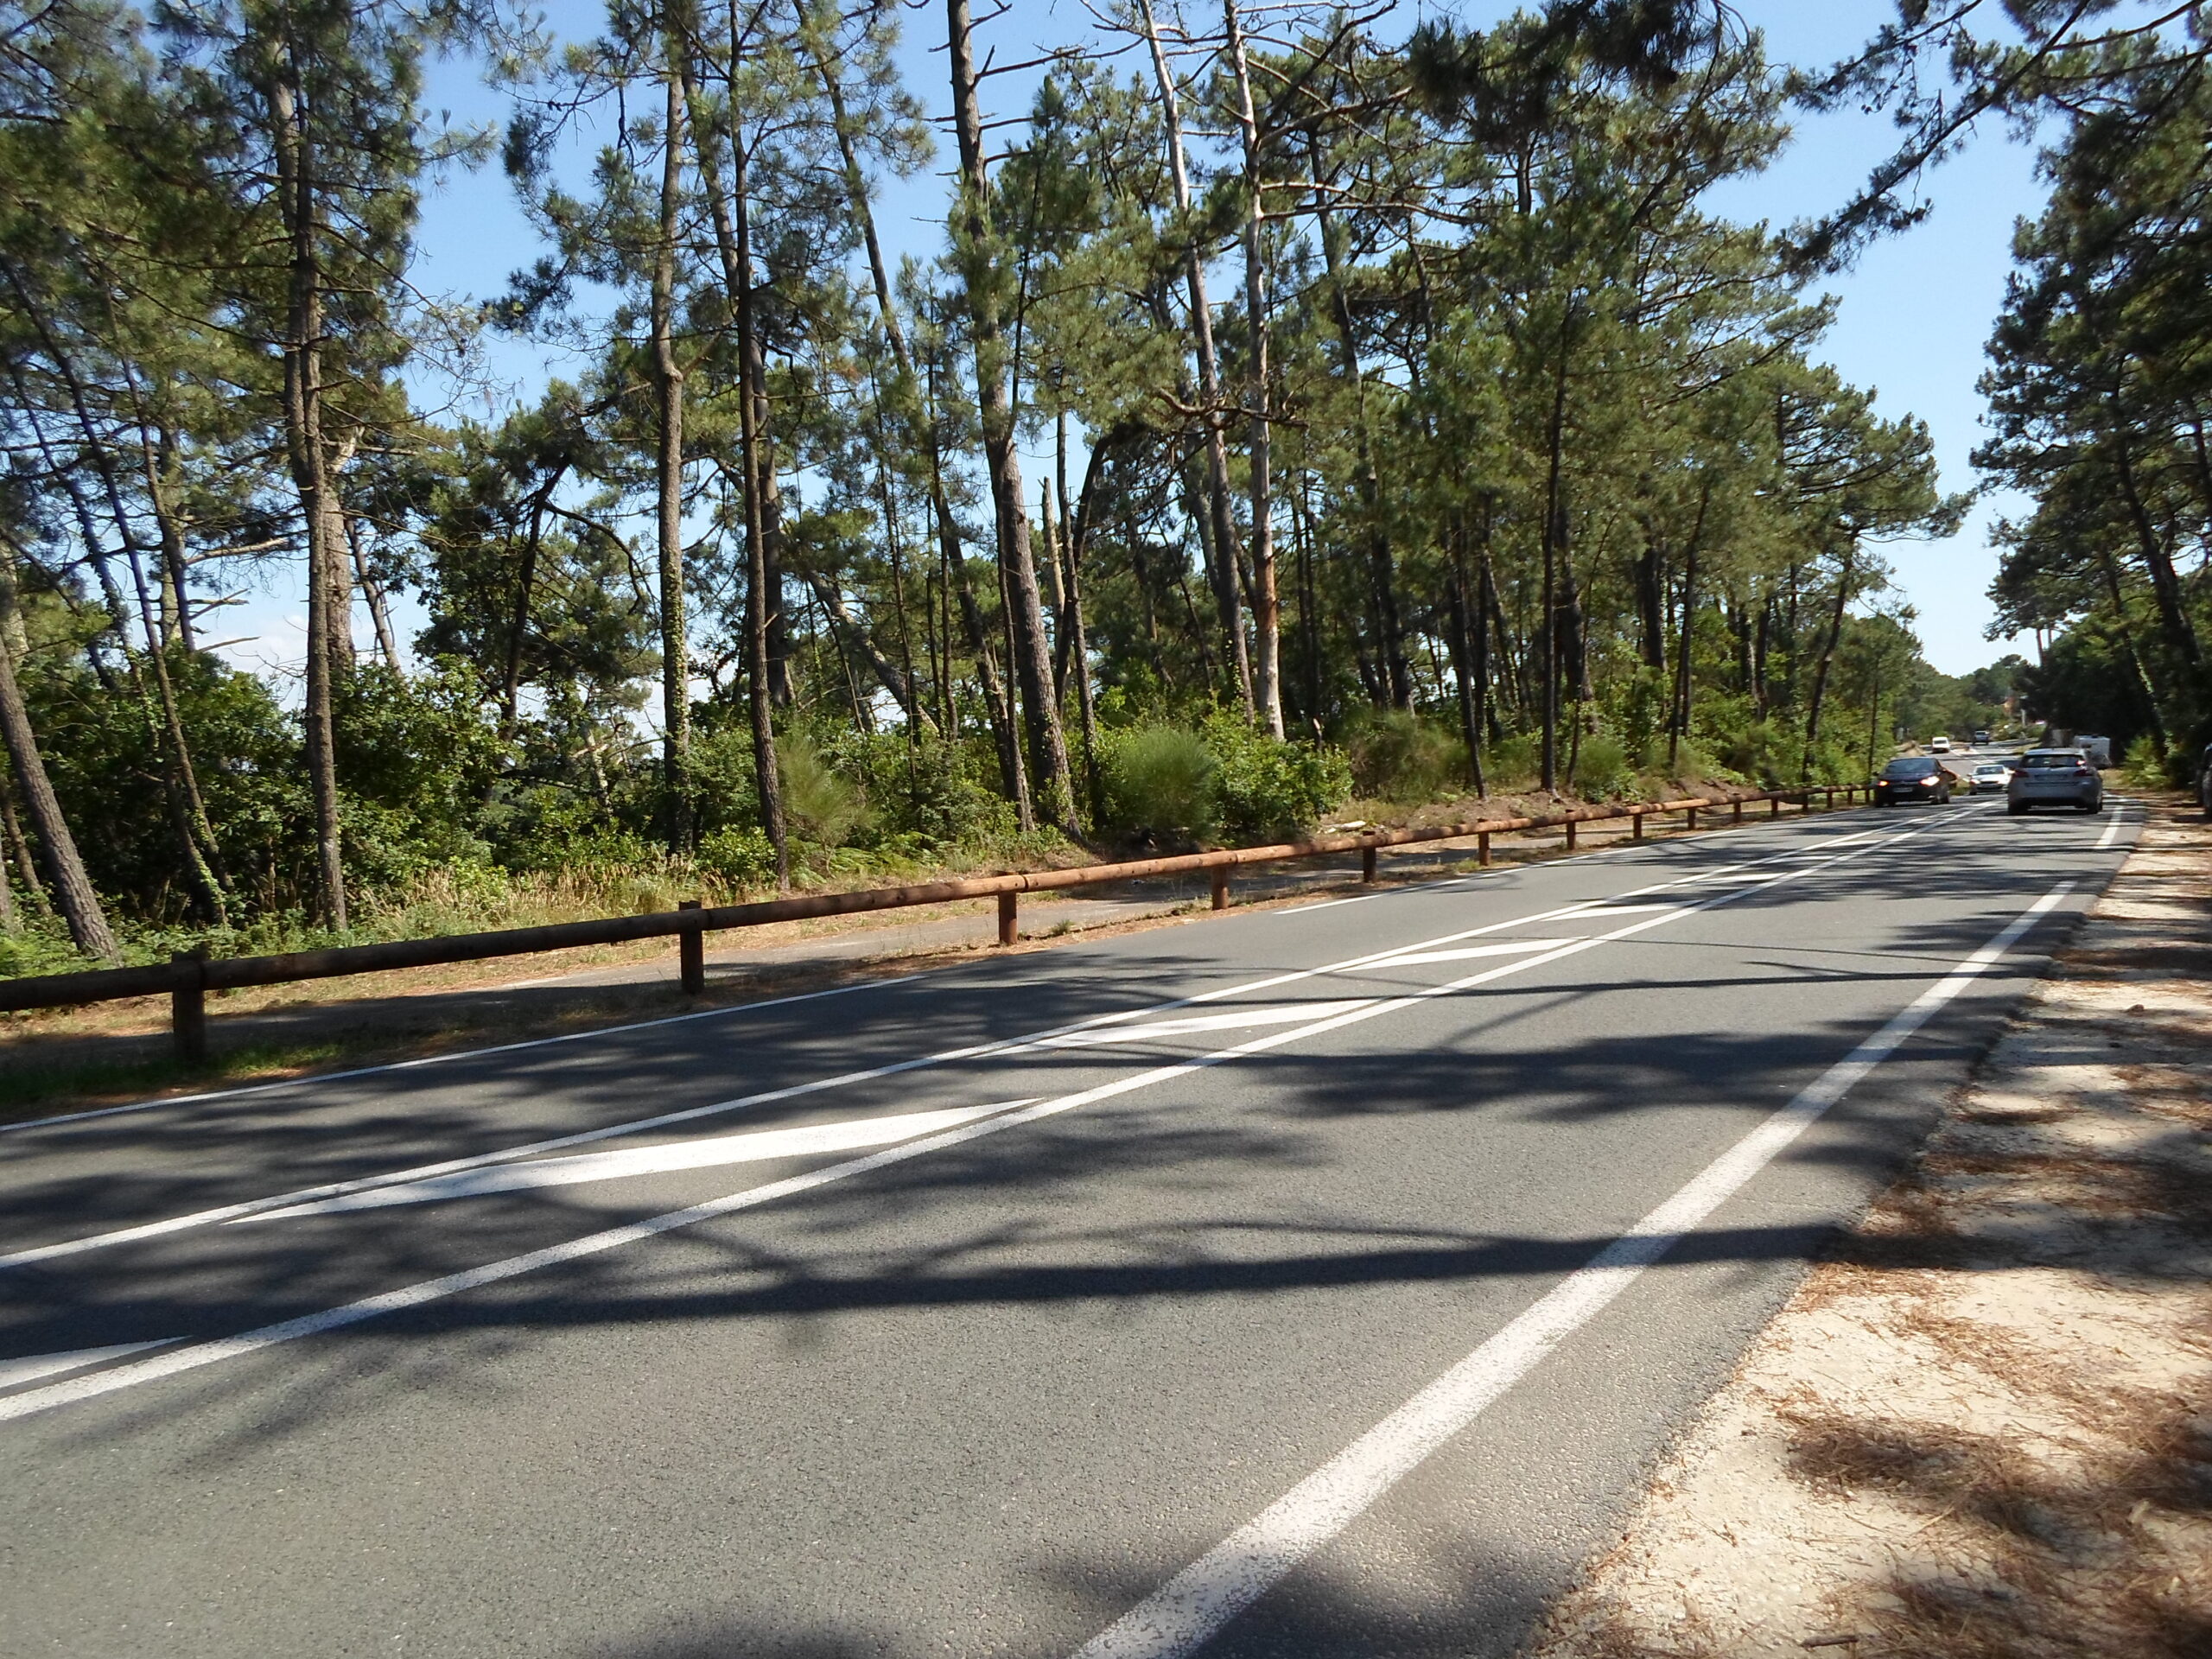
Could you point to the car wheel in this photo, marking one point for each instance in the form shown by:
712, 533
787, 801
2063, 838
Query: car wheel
2016, 809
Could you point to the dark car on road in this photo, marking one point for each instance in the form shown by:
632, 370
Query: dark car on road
1912, 777
2055, 777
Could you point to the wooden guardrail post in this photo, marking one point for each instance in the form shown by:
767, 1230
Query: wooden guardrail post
1367, 863
1482, 848
1636, 823
1570, 834
1220, 875
189, 1008
1009, 917
1690, 817
692, 953
1774, 806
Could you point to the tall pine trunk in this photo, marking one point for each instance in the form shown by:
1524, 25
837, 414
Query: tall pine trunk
1554, 535
1221, 516
1382, 561
1048, 755
1844, 573
1267, 608
1014, 779
763, 603
73, 889
300, 206
668, 481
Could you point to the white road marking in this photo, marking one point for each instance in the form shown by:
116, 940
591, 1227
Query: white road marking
71, 1390
1186, 1612
755, 1147
1288, 1014
1512, 947
2112, 832
14, 1373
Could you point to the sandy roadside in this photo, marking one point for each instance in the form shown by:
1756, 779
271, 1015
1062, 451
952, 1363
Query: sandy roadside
1983, 1426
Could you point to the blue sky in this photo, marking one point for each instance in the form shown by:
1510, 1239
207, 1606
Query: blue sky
1914, 310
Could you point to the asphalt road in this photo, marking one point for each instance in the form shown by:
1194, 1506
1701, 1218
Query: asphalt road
1304, 1281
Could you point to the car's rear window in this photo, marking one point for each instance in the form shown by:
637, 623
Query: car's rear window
2050, 762
1908, 768
1984, 772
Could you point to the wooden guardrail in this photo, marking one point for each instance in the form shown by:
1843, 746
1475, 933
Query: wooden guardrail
186, 979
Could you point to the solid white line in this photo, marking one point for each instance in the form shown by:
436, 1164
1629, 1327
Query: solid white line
714, 1151
1189, 1609
1009, 1046
2112, 831
34, 1401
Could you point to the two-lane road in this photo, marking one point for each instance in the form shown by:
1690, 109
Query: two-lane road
1313, 1280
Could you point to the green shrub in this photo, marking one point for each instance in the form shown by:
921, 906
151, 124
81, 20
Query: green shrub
821, 803
1270, 790
1160, 781
1641, 711
940, 798
1763, 751
1398, 756
37, 948
1601, 767
2147, 765
739, 854
1511, 763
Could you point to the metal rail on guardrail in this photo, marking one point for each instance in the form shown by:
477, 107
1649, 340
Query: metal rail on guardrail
187, 979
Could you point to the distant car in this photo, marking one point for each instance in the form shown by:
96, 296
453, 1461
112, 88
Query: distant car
1912, 777
1980, 738
2099, 749
1991, 777
2055, 777
1939, 744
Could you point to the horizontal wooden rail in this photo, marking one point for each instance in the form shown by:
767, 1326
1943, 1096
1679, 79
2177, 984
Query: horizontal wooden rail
187, 979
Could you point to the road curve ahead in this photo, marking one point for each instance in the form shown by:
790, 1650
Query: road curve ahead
1312, 1281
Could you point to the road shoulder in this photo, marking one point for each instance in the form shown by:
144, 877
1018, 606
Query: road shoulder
1980, 1428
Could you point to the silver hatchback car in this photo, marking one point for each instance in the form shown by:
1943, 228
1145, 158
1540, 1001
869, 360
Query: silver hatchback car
2055, 777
